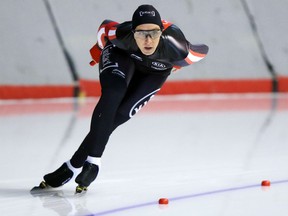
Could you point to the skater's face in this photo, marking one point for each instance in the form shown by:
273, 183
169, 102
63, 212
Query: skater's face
147, 37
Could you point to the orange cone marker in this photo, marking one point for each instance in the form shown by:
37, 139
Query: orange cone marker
163, 201
266, 183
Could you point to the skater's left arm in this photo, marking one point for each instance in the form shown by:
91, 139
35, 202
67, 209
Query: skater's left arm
191, 53
195, 54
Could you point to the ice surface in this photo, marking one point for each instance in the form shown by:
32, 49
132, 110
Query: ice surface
206, 153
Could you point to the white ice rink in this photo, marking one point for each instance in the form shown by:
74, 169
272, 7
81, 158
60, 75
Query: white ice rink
206, 153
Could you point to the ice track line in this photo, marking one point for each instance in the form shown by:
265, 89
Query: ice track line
185, 197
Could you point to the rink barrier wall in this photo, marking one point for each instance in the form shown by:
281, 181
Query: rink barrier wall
283, 84
35, 63
35, 92
91, 88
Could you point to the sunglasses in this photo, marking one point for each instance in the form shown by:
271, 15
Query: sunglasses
143, 34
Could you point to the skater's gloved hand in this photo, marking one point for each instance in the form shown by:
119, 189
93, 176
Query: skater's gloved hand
175, 68
95, 53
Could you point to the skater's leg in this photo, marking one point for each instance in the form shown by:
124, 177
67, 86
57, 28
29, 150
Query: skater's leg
101, 121
116, 70
114, 78
143, 88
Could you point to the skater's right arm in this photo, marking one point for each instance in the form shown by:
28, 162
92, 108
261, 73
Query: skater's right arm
106, 32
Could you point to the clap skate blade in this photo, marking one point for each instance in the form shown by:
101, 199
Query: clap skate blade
42, 187
81, 189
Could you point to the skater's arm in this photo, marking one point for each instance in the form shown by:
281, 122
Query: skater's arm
176, 41
106, 32
195, 54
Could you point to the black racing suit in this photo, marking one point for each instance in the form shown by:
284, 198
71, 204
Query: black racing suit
129, 78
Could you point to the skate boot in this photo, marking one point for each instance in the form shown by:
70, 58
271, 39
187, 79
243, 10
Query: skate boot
86, 177
59, 177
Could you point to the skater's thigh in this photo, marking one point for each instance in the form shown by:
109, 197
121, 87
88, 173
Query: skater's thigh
143, 87
115, 67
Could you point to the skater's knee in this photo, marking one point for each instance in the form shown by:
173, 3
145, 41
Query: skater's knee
120, 118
